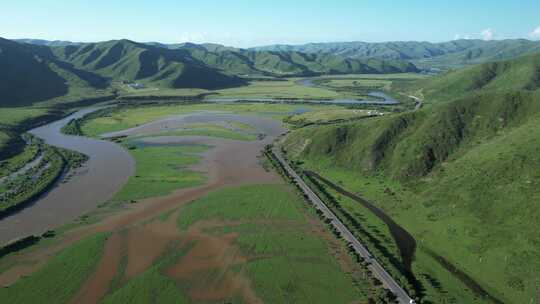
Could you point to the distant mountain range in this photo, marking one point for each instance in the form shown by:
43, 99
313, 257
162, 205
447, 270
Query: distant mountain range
426, 55
423, 54
37, 70
46, 42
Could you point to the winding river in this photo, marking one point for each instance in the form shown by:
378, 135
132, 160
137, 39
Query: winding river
107, 170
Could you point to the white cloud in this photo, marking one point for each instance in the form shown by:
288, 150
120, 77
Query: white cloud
460, 36
535, 33
487, 34
194, 37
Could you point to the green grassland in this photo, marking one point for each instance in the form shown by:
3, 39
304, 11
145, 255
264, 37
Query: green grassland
209, 132
297, 267
271, 222
409, 210
160, 170
286, 89
151, 286
60, 278
228, 130
359, 86
127, 92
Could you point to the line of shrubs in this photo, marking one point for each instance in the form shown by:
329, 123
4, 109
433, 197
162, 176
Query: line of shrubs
24, 243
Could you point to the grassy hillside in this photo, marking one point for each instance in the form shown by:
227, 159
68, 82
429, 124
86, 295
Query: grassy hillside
444, 55
297, 63
460, 174
32, 74
516, 75
207, 66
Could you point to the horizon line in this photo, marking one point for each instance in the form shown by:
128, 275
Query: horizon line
274, 44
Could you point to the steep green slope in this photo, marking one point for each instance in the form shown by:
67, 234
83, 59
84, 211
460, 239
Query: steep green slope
25, 76
36, 87
32, 74
461, 175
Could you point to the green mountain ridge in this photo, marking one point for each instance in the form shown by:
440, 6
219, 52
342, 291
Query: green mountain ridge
130, 61
32, 74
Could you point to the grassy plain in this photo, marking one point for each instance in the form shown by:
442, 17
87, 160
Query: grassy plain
60, 277
160, 170
272, 222
151, 286
126, 92
208, 129
287, 88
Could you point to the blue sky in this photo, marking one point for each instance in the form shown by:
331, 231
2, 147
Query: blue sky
247, 23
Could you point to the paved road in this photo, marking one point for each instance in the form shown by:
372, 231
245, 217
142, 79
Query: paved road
376, 268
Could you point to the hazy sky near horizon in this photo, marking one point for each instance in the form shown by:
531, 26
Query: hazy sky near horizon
245, 23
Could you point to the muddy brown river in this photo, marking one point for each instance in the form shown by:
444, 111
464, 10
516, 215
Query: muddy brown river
107, 170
